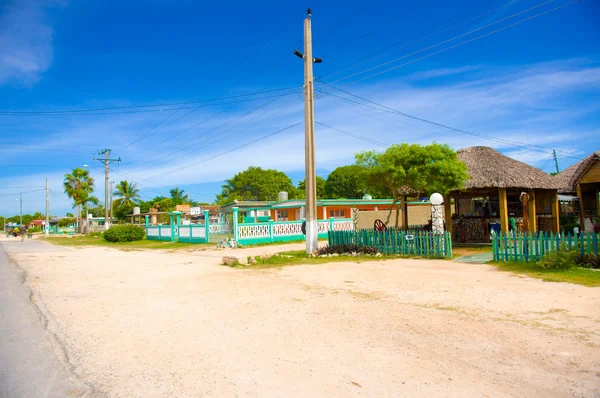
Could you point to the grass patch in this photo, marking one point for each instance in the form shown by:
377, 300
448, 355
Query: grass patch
466, 250
99, 241
299, 257
579, 276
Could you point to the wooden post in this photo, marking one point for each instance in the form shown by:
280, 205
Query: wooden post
405, 212
503, 203
448, 213
556, 212
581, 211
532, 212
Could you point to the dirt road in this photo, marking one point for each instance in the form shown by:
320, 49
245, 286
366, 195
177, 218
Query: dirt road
152, 324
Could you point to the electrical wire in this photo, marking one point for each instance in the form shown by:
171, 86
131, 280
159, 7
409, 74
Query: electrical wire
357, 136
395, 111
369, 57
453, 46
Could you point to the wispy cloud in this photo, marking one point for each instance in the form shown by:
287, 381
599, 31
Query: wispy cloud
551, 105
25, 41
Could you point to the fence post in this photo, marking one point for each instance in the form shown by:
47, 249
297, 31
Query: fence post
331, 224
206, 223
235, 224
271, 230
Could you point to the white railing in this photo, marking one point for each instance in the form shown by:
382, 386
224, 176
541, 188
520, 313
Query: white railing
253, 231
343, 225
287, 228
221, 228
152, 232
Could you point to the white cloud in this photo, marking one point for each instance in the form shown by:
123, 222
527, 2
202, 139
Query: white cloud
551, 105
25, 42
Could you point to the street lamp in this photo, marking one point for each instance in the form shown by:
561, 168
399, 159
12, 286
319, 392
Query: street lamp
437, 218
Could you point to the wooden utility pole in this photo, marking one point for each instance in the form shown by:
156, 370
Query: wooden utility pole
47, 230
107, 160
312, 238
111, 201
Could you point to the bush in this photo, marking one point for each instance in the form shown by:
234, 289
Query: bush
124, 233
340, 249
559, 260
588, 261
34, 229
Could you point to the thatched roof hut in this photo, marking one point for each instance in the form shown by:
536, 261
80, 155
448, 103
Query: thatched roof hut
569, 177
489, 168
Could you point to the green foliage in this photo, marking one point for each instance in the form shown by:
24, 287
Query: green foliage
69, 215
127, 194
346, 182
256, 184
568, 222
78, 185
124, 233
34, 229
123, 211
411, 167
347, 249
559, 260
321, 194
67, 221
590, 260
177, 195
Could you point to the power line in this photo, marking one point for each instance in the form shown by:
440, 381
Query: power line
18, 193
67, 111
357, 136
395, 111
454, 46
178, 145
231, 150
369, 57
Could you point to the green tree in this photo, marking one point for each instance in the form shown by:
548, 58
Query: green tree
38, 216
347, 182
78, 185
404, 169
256, 184
321, 193
127, 194
178, 195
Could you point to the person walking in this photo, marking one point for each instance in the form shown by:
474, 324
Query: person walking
23, 232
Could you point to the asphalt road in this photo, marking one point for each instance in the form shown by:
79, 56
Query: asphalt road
30, 364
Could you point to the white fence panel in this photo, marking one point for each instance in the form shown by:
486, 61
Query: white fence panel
253, 231
287, 229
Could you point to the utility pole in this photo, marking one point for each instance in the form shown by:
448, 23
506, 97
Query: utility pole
21, 210
555, 160
107, 160
312, 239
111, 201
47, 230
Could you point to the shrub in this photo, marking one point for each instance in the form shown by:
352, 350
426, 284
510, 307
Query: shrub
559, 260
34, 229
339, 249
124, 233
588, 261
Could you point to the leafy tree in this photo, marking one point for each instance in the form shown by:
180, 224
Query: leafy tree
178, 195
256, 184
123, 211
404, 169
320, 188
66, 221
38, 216
346, 182
127, 194
78, 185
71, 215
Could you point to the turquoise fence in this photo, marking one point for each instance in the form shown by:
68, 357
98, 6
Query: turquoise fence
524, 247
159, 232
406, 243
193, 233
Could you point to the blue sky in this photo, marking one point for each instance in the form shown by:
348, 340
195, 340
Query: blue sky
527, 88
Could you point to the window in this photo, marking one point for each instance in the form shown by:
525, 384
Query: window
263, 213
282, 215
338, 213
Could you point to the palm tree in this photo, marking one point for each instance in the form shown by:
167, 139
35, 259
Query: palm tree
127, 192
177, 193
78, 185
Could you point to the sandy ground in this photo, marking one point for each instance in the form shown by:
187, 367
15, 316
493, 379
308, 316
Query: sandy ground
153, 324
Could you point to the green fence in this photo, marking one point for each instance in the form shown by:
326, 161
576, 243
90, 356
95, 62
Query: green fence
523, 247
406, 243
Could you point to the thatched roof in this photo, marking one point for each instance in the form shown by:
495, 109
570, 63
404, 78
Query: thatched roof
568, 177
488, 168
